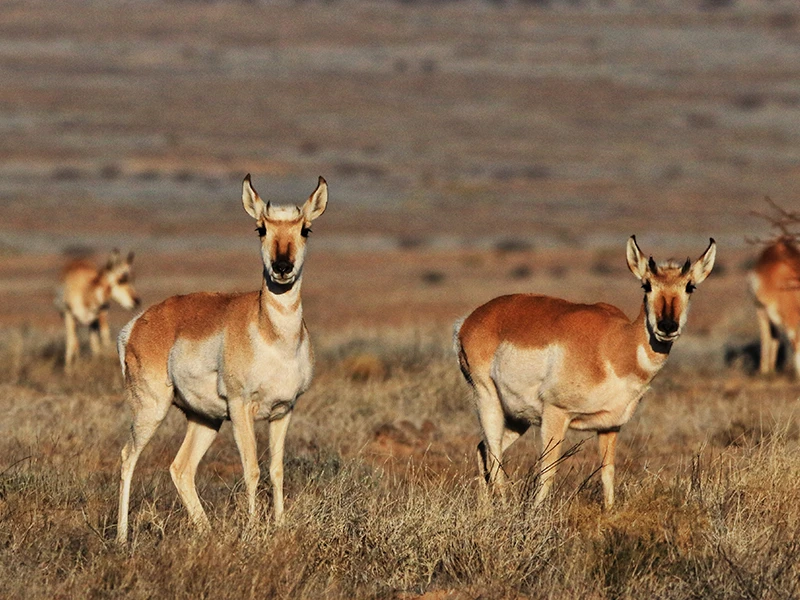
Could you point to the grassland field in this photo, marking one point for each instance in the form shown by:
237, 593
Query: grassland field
472, 149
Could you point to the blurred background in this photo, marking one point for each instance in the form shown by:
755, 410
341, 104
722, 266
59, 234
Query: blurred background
472, 148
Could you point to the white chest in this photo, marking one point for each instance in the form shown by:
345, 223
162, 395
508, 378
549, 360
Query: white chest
278, 374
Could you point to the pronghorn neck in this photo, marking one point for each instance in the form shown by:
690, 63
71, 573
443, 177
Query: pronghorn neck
99, 294
280, 308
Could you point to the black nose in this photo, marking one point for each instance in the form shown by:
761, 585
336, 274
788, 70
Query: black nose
282, 267
667, 326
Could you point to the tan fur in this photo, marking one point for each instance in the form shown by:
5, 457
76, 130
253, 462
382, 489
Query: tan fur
541, 360
83, 299
775, 282
238, 357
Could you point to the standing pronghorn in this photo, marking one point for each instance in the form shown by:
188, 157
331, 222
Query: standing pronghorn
242, 357
775, 281
84, 296
541, 360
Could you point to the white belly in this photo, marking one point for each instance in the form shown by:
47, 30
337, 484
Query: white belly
528, 379
273, 379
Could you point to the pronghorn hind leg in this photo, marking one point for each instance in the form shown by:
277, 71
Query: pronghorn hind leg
71, 343
242, 419
770, 343
607, 443
277, 442
147, 416
554, 428
490, 451
200, 433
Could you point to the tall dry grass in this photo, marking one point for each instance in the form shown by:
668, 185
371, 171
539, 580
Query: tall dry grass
383, 498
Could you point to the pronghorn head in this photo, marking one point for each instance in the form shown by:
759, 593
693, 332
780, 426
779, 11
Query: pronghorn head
117, 276
667, 288
283, 230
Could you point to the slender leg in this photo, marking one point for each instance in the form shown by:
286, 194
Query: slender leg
607, 442
148, 413
512, 433
199, 436
71, 352
796, 348
241, 415
94, 337
769, 343
277, 441
490, 451
554, 427
105, 330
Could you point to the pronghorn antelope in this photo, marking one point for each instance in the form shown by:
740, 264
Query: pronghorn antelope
775, 282
541, 360
238, 357
84, 297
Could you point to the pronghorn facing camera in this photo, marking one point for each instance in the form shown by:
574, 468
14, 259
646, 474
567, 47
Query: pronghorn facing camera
775, 281
84, 297
238, 357
541, 360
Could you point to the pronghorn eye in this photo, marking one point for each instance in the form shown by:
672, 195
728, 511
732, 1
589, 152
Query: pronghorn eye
305, 231
122, 280
690, 287
262, 231
647, 287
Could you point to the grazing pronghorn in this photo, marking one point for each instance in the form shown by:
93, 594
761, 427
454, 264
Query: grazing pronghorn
775, 281
242, 357
84, 297
541, 360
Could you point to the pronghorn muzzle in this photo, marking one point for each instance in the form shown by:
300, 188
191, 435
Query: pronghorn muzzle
282, 268
667, 328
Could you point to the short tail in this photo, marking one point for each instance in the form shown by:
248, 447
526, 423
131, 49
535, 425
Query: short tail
459, 350
122, 341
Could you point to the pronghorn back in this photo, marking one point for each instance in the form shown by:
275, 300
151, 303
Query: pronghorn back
776, 281
533, 322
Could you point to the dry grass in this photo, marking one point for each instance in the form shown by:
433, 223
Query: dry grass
382, 491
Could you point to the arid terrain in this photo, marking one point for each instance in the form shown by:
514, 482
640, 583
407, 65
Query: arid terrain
472, 149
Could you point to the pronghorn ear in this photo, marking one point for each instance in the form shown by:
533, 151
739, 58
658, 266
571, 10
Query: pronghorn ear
252, 202
130, 257
703, 265
637, 263
113, 259
317, 202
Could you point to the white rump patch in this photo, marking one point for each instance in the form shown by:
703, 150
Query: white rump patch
122, 340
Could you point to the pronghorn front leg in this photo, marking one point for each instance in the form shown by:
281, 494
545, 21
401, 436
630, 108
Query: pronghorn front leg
554, 427
242, 418
277, 441
607, 442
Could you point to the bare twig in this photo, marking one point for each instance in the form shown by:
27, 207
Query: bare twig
784, 221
